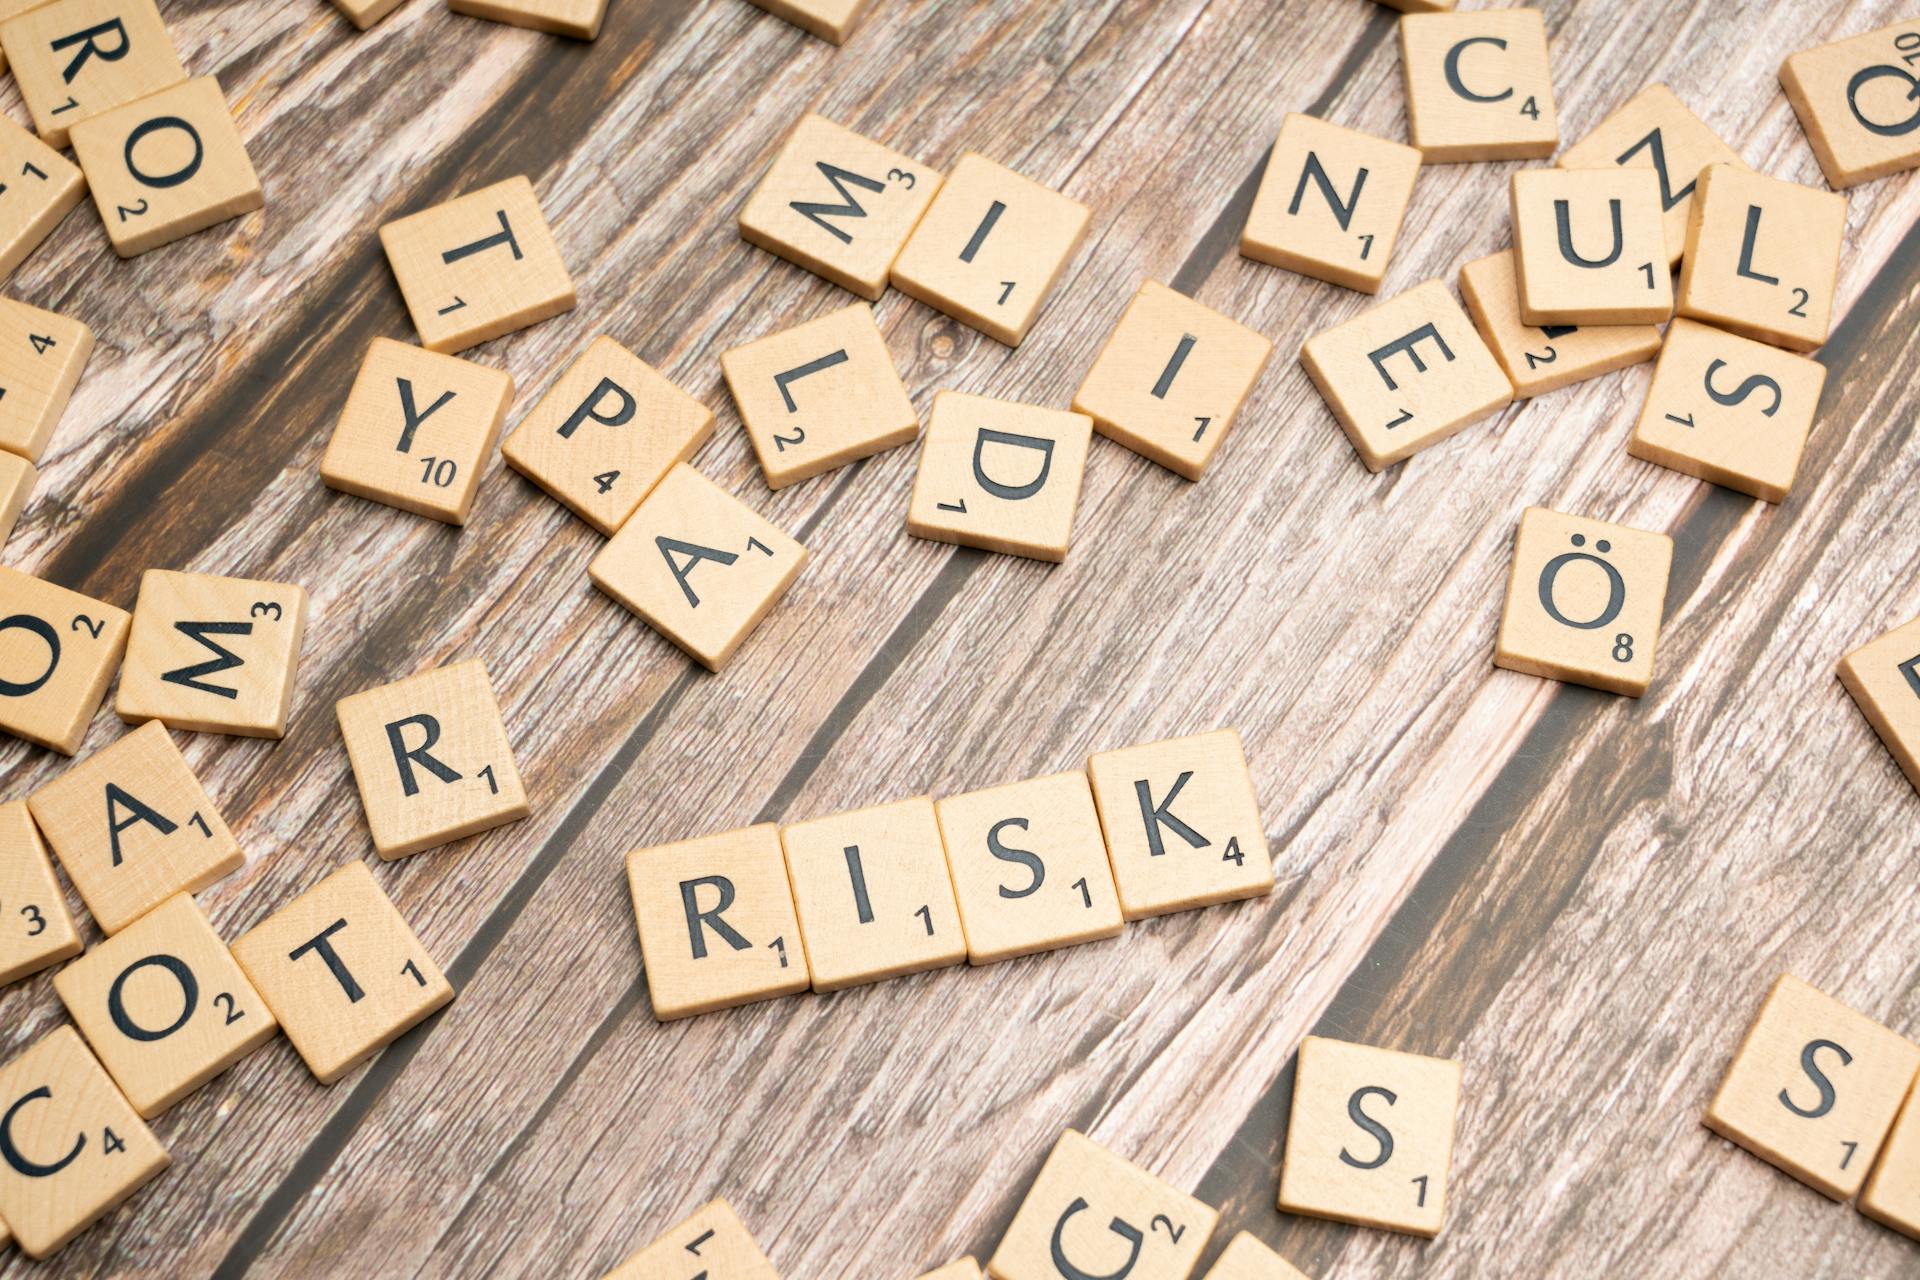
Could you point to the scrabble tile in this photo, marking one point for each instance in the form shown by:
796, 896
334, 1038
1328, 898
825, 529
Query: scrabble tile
1859, 102
1182, 824
1884, 679
1171, 379
1763, 257
1654, 130
38, 188
1248, 1259
82, 1150
832, 20
577, 18
1370, 1136
41, 356
712, 1243
1538, 360
1419, 6
58, 650
871, 892
166, 166
164, 1006
698, 565
1000, 476
213, 655
364, 13
1405, 374
35, 929
132, 826
74, 59
1892, 1194
342, 972
1331, 202
417, 430
1584, 602
1729, 409
962, 1269
839, 204
1479, 85
1029, 867
1589, 247
431, 758
819, 395
604, 434
1091, 1213
17, 478
990, 248
716, 920
1814, 1088
479, 266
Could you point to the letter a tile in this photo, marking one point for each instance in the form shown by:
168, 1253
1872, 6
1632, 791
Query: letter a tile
1331, 203
1814, 1088
431, 758
1538, 360
41, 188
1884, 679
1859, 102
58, 650
1763, 257
712, 1243
213, 655
1590, 247
342, 972
1479, 86
1370, 1136
1000, 476
1248, 1259
37, 931
132, 826
81, 1151
41, 356
1585, 600
74, 59
716, 920
1091, 1213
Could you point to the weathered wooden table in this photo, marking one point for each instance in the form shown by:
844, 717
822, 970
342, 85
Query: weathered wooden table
1583, 897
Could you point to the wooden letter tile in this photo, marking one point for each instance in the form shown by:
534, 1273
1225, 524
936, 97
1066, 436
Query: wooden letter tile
1248, 1259
1406, 374
1884, 679
35, 929
712, 1243
1479, 86
1654, 130
872, 894
1729, 409
133, 827
41, 356
832, 20
74, 59
717, 927
838, 204
1370, 1136
1763, 257
1584, 602
58, 650
1029, 867
38, 188
1859, 102
1331, 203
1892, 1193
962, 1269
1000, 476
1413, 6
164, 1006
82, 1150
1091, 1213
990, 248
1537, 360
604, 434
417, 430
431, 759
1182, 824
364, 13
1814, 1088
698, 565
1171, 379
342, 972
213, 655
17, 478
819, 395
479, 266
1590, 247
577, 18
166, 166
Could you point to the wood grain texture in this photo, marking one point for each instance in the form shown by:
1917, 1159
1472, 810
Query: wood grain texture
1582, 897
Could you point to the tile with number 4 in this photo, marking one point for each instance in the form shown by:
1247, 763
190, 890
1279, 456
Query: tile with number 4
1763, 257
1538, 360
431, 758
1000, 476
712, 1243
74, 59
1859, 102
38, 188
1585, 600
1479, 85
35, 928
58, 650
41, 356
342, 972
213, 655
1331, 203
1883, 678
1092, 1213
1589, 247
1248, 1259
716, 921
579, 19
1171, 379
